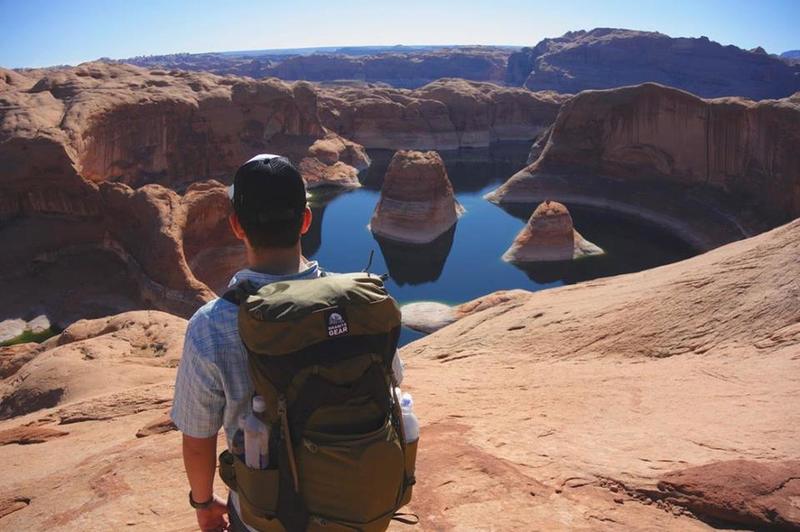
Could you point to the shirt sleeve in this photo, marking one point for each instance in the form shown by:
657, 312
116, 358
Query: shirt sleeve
199, 401
397, 368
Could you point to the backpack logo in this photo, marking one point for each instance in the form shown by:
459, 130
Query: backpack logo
337, 323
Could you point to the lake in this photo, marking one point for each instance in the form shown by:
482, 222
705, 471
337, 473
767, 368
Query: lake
466, 263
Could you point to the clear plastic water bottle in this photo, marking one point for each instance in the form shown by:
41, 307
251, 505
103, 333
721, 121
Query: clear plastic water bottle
410, 421
237, 445
256, 437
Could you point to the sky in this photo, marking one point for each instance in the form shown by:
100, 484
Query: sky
36, 33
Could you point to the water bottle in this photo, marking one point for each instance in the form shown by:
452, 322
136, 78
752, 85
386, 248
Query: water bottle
237, 445
410, 421
256, 437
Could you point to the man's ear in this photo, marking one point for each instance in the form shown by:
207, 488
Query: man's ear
236, 227
307, 217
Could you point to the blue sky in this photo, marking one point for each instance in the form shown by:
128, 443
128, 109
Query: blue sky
49, 32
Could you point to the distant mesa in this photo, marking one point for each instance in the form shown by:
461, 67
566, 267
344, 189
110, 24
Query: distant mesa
417, 203
605, 58
548, 236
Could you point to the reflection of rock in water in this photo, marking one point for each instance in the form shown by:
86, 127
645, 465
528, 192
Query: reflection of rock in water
319, 201
416, 263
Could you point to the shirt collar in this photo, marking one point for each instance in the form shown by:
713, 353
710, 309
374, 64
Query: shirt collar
259, 278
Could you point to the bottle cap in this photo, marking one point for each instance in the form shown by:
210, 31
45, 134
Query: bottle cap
406, 401
259, 404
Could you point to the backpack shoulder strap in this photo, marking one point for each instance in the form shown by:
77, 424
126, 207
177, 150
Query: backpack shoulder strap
239, 292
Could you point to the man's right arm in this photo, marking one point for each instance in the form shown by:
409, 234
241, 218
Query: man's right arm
197, 411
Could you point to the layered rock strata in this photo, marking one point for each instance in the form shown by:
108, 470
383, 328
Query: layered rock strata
712, 170
417, 203
96, 157
606, 57
447, 114
549, 235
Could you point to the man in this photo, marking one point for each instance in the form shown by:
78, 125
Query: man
213, 387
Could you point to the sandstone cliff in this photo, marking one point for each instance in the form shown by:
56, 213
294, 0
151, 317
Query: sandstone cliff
444, 115
404, 70
95, 159
605, 58
402, 66
666, 151
664, 399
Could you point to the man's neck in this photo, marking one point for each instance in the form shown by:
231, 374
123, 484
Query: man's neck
277, 261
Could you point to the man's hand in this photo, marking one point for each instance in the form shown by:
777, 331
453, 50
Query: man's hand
213, 518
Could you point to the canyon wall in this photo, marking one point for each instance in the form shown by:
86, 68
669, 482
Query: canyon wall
606, 57
447, 114
649, 135
95, 158
401, 70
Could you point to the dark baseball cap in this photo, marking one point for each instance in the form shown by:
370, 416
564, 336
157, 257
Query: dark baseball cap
268, 188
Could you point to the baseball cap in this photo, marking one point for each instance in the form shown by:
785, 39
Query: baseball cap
268, 188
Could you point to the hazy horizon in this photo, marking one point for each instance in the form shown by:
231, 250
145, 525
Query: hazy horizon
39, 33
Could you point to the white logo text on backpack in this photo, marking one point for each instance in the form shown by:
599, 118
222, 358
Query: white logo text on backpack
337, 325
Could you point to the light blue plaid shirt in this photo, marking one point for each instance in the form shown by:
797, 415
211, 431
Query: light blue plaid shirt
213, 387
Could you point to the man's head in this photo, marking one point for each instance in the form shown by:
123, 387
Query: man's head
269, 203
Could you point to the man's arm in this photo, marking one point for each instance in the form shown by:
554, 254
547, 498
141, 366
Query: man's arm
200, 460
197, 411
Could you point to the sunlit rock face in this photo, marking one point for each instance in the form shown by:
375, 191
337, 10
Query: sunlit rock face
111, 162
549, 236
417, 203
606, 57
448, 114
712, 171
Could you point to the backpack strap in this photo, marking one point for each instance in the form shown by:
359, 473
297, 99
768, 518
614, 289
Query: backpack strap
238, 293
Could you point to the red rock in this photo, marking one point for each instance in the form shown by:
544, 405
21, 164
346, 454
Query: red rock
417, 202
26, 435
606, 57
739, 492
645, 149
446, 114
549, 236
159, 425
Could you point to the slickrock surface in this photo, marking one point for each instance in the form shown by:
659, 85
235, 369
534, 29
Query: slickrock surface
447, 114
430, 316
606, 57
623, 403
566, 409
711, 170
549, 235
417, 204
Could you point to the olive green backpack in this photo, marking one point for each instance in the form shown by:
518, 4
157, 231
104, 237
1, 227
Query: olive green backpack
320, 353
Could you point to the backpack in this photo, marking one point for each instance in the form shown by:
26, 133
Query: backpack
320, 352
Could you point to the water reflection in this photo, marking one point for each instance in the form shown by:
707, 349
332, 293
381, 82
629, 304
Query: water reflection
416, 263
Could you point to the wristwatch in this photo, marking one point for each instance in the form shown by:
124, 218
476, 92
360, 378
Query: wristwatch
200, 505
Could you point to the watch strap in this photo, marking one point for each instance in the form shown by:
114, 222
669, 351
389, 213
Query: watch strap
200, 505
